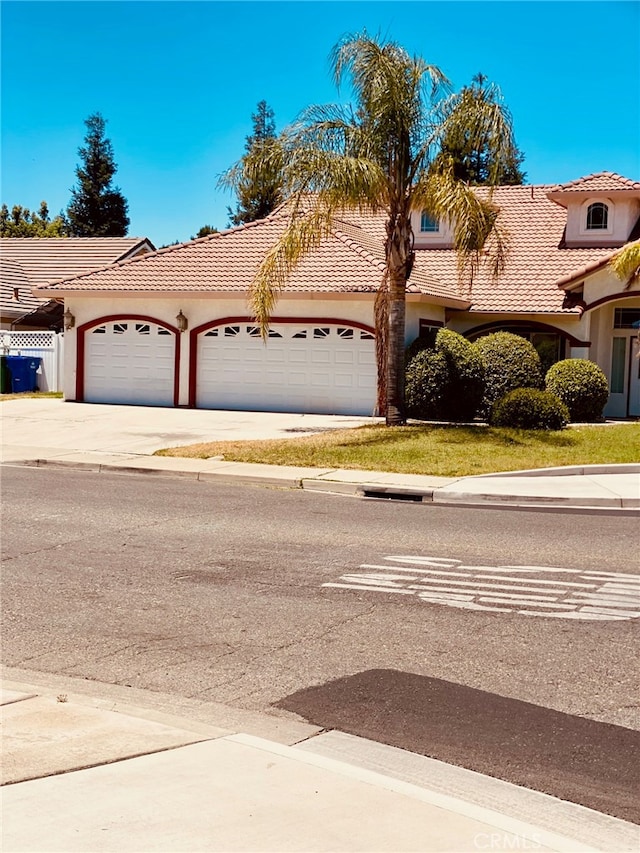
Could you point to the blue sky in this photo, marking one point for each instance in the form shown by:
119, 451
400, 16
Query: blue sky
178, 82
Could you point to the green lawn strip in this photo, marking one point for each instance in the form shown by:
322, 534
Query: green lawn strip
448, 451
27, 395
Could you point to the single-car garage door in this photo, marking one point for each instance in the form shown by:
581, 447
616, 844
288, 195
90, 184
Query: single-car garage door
129, 361
323, 368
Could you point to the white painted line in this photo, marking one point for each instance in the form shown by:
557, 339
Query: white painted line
635, 578
484, 586
464, 605
425, 587
415, 571
550, 604
578, 615
378, 581
507, 596
603, 601
539, 569
449, 596
601, 592
382, 576
436, 562
368, 588
540, 581
630, 614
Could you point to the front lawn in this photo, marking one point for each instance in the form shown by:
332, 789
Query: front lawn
26, 395
448, 451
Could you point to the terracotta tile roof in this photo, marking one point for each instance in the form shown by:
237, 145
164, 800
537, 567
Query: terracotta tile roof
536, 264
598, 182
15, 289
368, 239
49, 259
537, 261
347, 261
351, 260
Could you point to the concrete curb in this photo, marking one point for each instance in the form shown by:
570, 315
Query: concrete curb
367, 484
568, 471
535, 818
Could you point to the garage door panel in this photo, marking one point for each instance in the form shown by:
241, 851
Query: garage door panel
297, 379
129, 362
301, 368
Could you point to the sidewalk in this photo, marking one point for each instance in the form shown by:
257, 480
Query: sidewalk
608, 488
86, 774
122, 439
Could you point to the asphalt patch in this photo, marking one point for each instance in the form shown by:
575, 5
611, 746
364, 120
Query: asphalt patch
586, 762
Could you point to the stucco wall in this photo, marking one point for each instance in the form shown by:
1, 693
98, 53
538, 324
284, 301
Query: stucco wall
622, 216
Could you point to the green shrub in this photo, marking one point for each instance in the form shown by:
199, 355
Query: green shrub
426, 377
581, 386
422, 342
449, 387
464, 389
509, 362
529, 408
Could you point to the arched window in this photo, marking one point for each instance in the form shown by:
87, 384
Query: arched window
597, 216
428, 223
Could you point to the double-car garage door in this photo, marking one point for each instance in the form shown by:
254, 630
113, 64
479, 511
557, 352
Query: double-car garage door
324, 368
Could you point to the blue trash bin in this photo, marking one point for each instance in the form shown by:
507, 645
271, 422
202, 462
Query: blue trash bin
23, 370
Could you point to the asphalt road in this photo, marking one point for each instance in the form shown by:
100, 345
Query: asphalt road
287, 602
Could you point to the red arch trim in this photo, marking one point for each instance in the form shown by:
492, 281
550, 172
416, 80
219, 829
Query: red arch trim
623, 294
116, 318
534, 325
227, 321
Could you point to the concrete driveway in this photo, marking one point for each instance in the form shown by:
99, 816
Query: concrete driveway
55, 424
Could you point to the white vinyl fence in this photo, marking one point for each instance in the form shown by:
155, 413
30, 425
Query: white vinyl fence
49, 346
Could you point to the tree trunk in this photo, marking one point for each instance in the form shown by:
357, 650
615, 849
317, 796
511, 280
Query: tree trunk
381, 315
398, 251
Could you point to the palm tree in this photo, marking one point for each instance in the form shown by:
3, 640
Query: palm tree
380, 157
626, 263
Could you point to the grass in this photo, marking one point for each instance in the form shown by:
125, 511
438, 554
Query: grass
27, 395
448, 451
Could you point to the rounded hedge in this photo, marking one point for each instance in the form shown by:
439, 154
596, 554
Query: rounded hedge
529, 408
510, 362
464, 390
421, 343
425, 380
581, 386
449, 387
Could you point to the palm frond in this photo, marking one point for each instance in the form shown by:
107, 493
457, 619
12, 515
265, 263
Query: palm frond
479, 236
626, 264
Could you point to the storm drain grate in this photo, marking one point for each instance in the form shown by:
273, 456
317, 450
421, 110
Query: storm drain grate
392, 496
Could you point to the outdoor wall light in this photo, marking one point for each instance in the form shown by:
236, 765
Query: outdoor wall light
69, 320
183, 323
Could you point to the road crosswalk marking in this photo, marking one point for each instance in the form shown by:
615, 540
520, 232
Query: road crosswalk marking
589, 595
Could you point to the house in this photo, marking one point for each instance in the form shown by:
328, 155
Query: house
28, 262
173, 327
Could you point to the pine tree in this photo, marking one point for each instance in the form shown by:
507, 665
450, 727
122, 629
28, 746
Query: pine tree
257, 180
96, 208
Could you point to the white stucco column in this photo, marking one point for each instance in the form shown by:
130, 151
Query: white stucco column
579, 352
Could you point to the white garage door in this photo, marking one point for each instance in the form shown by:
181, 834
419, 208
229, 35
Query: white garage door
324, 369
129, 362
